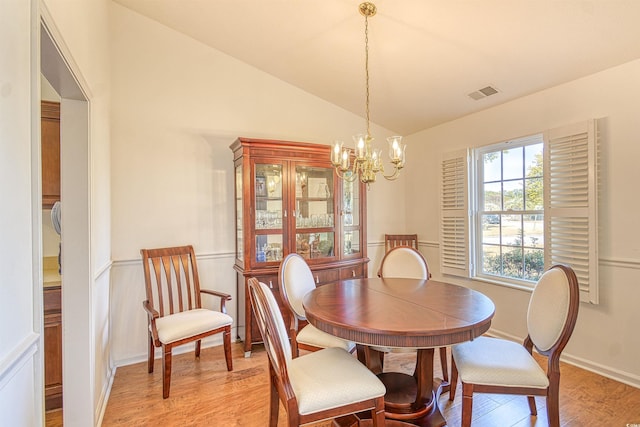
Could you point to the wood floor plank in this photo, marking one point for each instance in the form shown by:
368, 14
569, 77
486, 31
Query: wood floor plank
203, 393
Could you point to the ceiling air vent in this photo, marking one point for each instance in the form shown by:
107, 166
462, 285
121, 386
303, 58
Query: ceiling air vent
483, 93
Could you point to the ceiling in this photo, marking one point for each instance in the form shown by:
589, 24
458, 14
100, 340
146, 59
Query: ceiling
425, 56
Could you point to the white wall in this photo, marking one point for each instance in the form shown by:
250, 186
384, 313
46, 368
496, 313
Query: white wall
606, 337
177, 106
21, 372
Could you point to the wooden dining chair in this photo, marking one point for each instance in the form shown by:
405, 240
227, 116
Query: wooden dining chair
174, 307
492, 365
393, 240
295, 280
407, 262
325, 384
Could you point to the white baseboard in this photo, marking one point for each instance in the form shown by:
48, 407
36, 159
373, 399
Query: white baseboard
104, 397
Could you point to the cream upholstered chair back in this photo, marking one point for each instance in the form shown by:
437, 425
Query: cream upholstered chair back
549, 308
271, 325
296, 280
405, 262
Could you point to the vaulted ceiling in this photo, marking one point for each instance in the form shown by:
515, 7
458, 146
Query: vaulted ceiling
425, 56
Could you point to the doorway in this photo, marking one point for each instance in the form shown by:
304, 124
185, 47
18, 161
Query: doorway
77, 359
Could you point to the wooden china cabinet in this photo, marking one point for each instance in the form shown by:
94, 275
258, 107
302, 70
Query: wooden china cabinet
289, 199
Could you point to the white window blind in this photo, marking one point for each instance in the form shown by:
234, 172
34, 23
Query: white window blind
454, 214
570, 199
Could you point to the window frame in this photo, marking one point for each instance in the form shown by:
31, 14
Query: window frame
478, 203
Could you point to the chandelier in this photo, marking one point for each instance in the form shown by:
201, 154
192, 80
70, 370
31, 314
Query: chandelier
367, 161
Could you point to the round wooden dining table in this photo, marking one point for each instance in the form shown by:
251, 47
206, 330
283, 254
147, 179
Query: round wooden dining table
403, 313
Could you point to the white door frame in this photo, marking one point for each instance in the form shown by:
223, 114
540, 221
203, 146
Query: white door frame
56, 64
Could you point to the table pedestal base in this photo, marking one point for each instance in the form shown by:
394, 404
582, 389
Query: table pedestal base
400, 398
433, 418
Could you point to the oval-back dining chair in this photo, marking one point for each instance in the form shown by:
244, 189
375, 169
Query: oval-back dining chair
493, 365
316, 386
295, 281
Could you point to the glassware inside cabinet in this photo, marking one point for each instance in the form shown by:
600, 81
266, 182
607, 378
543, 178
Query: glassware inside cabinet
314, 197
350, 203
268, 247
351, 242
315, 245
268, 193
351, 217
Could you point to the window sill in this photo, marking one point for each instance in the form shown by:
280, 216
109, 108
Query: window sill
522, 286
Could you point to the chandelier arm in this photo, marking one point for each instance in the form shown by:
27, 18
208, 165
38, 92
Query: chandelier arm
342, 174
395, 175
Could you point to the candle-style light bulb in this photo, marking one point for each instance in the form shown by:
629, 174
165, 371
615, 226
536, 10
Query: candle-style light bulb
345, 159
395, 148
360, 141
335, 154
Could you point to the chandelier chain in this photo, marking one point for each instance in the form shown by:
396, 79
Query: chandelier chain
366, 69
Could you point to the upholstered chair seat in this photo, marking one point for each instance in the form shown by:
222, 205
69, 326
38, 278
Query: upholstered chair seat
492, 361
331, 378
311, 336
178, 326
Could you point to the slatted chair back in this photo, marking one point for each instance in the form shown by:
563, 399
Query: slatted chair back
171, 277
393, 240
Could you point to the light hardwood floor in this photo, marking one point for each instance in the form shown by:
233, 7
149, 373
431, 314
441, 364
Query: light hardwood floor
203, 393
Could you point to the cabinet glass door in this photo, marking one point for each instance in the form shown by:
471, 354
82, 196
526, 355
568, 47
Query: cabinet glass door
351, 216
239, 215
269, 220
314, 212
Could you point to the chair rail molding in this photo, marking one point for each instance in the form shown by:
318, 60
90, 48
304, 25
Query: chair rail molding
201, 256
18, 357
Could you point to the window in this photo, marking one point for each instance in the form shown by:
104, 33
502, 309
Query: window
510, 230
512, 210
